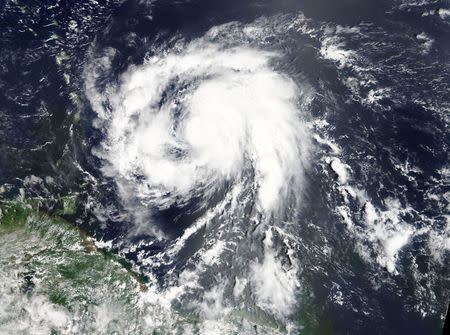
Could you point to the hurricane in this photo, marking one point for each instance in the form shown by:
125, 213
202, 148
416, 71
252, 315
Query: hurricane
224, 167
189, 121
217, 131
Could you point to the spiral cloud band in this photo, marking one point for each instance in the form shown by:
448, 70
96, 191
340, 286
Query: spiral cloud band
185, 122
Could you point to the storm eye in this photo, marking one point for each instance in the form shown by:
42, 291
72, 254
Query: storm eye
176, 153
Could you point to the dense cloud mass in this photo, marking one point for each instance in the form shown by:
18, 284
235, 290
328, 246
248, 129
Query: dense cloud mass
186, 122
